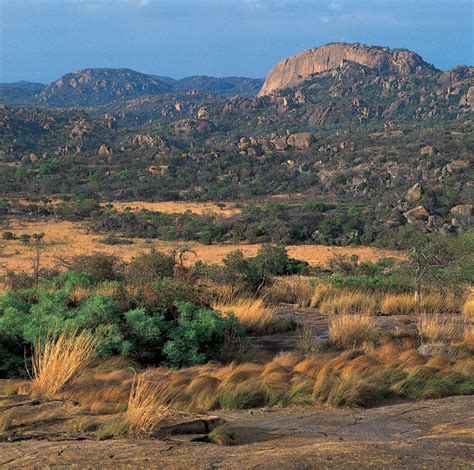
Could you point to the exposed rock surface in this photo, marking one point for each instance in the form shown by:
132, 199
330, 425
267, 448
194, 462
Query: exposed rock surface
417, 213
436, 349
429, 434
463, 210
415, 192
332, 56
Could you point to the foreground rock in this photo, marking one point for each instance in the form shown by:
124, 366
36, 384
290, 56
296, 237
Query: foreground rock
429, 434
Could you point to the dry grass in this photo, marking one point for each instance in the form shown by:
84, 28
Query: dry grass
57, 360
468, 307
321, 292
440, 328
354, 377
349, 302
64, 239
351, 330
147, 405
6, 421
253, 314
441, 303
179, 207
399, 304
468, 335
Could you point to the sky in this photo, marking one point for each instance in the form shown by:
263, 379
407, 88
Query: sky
40, 40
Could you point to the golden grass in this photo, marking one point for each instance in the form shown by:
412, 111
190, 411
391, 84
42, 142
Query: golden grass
253, 314
179, 207
440, 328
353, 377
64, 239
468, 307
399, 304
56, 360
349, 302
440, 303
321, 292
468, 335
147, 406
351, 330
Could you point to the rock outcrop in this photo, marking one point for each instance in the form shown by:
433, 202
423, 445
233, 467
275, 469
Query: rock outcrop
332, 56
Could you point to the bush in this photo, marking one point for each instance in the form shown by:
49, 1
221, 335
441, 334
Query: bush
146, 268
197, 335
158, 324
101, 266
8, 236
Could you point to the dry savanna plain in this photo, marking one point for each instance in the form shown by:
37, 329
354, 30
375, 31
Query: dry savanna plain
329, 367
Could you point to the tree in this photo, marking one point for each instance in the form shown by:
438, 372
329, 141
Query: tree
440, 261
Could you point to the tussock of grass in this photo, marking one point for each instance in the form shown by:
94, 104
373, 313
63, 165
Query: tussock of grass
115, 427
351, 330
222, 435
439, 328
399, 304
147, 406
348, 303
57, 360
6, 421
253, 314
359, 377
468, 307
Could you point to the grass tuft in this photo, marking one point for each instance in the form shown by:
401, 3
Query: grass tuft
352, 330
57, 360
253, 314
347, 303
148, 405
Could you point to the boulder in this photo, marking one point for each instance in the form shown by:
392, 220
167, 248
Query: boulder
428, 150
436, 349
104, 150
417, 213
280, 143
463, 210
415, 192
202, 113
457, 165
302, 140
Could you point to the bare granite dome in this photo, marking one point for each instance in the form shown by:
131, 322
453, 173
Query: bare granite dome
332, 56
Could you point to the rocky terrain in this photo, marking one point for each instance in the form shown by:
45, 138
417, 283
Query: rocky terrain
432, 434
345, 123
334, 56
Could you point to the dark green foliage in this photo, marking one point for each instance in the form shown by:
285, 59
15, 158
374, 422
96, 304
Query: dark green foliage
197, 333
156, 325
146, 268
100, 266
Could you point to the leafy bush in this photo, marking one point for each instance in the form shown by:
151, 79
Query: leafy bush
101, 266
146, 268
158, 324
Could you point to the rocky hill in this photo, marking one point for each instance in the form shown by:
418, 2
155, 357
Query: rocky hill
292, 71
19, 92
99, 86
227, 86
394, 139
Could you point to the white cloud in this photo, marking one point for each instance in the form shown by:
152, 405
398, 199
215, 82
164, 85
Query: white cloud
143, 3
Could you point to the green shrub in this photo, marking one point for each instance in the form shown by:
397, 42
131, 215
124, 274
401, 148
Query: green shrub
146, 268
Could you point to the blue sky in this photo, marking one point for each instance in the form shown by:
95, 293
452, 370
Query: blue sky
43, 39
